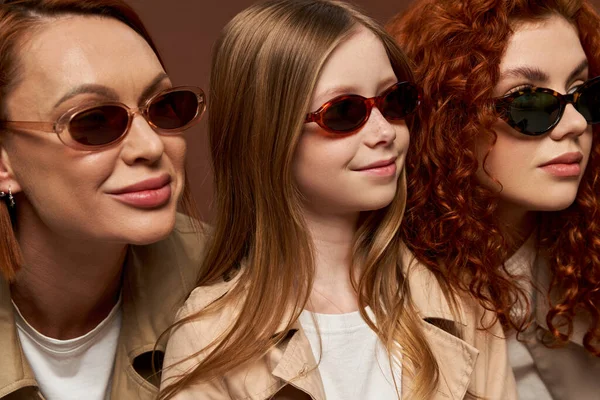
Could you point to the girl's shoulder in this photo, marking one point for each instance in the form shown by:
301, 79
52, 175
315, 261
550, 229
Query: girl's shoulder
199, 325
203, 299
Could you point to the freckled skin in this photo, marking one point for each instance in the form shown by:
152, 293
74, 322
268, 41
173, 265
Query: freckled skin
326, 167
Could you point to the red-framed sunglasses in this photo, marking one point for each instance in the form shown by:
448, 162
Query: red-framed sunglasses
348, 113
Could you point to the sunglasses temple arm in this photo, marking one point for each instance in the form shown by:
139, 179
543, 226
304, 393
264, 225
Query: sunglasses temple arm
312, 117
35, 125
501, 107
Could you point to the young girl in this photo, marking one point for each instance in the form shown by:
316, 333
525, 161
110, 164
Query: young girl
504, 174
304, 292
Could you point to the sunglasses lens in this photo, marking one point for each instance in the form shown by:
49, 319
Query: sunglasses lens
174, 110
534, 113
99, 125
402, 100
588, 103
345, 115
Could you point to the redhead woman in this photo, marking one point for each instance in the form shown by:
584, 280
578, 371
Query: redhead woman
91, 173
306, 291
504, 176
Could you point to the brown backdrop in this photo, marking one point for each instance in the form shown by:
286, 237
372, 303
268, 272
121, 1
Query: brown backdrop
184, 31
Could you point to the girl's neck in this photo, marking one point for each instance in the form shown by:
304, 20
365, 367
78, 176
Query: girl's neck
333, 238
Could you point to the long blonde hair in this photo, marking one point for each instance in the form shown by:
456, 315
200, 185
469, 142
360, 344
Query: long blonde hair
265, 67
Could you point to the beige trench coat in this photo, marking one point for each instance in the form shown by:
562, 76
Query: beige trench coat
157, 279
476, 362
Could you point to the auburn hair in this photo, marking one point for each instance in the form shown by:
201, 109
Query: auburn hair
265, 67
18, 20
451, 224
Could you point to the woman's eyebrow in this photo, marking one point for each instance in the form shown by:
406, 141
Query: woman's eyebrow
89, 88
110, 93
152, 87
578, 70
537, 75
531, 73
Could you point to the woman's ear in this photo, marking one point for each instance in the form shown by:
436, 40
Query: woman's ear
7, 177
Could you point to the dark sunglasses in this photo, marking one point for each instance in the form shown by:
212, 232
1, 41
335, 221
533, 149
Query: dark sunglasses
91, 127
534, 111
346, 114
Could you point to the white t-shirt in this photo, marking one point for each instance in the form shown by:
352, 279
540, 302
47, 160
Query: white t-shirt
354, 364
530, 385
74, 369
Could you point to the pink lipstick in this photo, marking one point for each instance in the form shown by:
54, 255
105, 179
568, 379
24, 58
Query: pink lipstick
565, 165
150, 193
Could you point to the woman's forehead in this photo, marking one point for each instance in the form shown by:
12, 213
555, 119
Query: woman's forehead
543, 53
81, 50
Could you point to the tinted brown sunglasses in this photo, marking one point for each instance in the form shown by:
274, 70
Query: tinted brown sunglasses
92, 127
348, 113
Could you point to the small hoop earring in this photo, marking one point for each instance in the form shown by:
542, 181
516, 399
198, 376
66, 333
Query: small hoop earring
10, 199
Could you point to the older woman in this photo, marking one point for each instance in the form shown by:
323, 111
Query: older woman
91, 173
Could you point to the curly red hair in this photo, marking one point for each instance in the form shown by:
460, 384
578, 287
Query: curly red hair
450, 223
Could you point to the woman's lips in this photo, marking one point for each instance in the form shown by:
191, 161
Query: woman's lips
150, 193
151, 198
565, 165
563, 170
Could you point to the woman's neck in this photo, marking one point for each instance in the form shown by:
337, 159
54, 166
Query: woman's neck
67, 285
332, 237
517, 222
